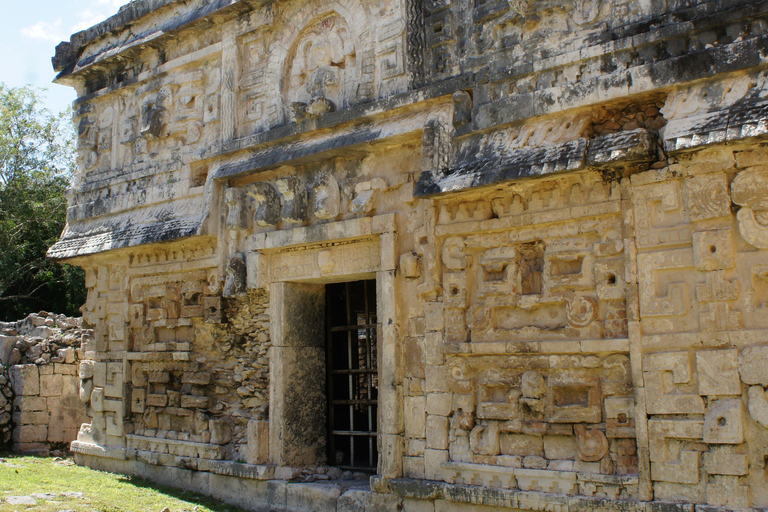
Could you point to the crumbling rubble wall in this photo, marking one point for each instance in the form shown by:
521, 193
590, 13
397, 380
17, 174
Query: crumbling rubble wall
6, 407
41, 410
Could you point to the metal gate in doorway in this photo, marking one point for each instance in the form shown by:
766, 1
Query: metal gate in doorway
353, 377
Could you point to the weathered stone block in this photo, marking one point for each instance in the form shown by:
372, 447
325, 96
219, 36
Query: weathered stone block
433, 461
724, 460
415, 416
7, 344
560, 447
30, 403
718, 372
517, 444
30, 434
30, 418
258, 442
51, 385
724, 422
439, 404
303, 497
25, 379
65, 368
413, 467
433, 316
437, 432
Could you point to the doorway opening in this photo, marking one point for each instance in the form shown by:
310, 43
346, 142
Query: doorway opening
352, 375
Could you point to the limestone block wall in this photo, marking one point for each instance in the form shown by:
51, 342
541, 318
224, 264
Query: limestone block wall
42, 409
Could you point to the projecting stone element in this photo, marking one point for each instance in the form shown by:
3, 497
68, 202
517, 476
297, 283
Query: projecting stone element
234, 284
314, 108
410, 265
622, 148
294, 198
326, 201
462, 108
267, 204
480, 168
239, 211
155, 115
438, 150
533, 385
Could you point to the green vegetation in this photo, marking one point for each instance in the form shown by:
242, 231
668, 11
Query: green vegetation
36, 165
105, 492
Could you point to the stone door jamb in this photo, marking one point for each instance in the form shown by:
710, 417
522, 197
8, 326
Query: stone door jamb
315, 254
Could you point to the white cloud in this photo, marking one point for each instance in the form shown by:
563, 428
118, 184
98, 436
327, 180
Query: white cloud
46, 31
88, 18
97, 11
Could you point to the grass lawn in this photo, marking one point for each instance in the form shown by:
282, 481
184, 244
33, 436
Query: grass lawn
63, 482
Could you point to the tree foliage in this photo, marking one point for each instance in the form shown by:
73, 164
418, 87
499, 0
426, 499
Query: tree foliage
36, 165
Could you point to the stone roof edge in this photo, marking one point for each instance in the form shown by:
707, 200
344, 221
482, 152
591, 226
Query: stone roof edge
68, 52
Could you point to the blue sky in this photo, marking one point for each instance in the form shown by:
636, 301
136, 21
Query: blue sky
29, 33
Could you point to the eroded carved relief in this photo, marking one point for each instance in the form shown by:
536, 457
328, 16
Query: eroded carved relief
661, 219
724, 422
267, 209
585, 11
155, 114
438, 151
238, 215
294, 199
234, 284
670, 461
670, 380
531, 289
707, 196
750, 191
323, 75
548, 417
665, 290
326, 197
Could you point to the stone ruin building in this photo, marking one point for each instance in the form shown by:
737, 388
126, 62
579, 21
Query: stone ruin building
40, 406
426, 255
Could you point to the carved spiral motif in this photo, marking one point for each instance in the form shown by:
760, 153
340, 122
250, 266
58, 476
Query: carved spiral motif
479, 317
705, 198
592, 445
581, 311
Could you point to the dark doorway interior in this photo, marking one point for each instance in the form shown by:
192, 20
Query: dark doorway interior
353, 378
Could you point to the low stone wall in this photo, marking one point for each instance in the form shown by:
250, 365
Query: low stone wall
40, 406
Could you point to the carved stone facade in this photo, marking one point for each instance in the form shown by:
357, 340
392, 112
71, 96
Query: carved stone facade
563, 206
